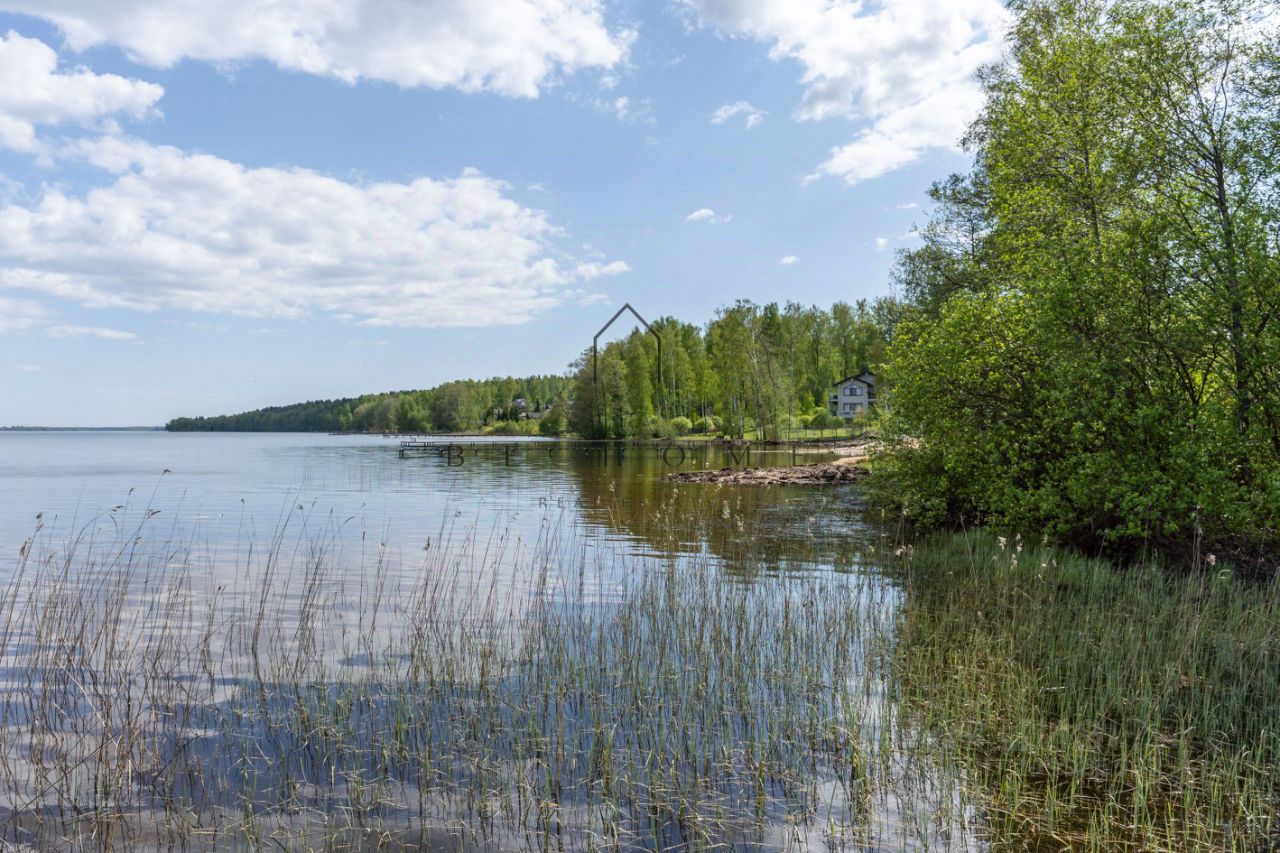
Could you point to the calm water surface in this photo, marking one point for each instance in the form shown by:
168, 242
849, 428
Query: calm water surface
235, 588
223, 489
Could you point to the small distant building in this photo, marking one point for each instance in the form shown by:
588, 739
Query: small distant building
853, 396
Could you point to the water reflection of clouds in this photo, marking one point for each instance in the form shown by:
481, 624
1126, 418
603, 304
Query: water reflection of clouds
579, 584
224, 489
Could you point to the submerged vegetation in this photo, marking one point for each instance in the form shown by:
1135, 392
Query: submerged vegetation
582, 697
1086, 354
584, 702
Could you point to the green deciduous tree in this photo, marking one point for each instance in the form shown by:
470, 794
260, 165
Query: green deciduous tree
1093, 352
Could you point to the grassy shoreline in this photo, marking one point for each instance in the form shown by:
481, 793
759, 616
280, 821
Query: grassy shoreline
1096, 708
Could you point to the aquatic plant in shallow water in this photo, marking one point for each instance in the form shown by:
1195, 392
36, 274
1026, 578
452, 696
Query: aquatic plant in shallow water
1090, 707
581, 695
591, 699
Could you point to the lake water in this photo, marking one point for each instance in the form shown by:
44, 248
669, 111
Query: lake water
226, 489
221, 640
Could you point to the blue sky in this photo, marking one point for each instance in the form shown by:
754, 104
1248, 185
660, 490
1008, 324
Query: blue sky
207, 208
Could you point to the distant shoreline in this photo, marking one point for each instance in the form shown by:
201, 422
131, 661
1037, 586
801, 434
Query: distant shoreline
82, 429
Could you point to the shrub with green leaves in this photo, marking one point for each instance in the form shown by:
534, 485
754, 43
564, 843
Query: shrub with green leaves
1093, 352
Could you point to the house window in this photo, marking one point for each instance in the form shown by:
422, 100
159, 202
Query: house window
853, 391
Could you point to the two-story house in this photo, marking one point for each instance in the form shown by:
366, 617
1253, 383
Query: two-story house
852, 396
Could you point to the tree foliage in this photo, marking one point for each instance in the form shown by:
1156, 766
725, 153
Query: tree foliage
1094, 351
750, 371
747, 373
452, 407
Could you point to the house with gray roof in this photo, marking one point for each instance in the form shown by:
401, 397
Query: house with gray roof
853, 396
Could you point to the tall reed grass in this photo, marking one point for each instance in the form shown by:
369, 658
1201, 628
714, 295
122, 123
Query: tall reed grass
564, 691
304, 698
1090, 708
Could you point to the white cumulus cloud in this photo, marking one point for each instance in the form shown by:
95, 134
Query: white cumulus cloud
754, 115
904, 68
789, 260
706, 214
512, 47
37, 93
170, 229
